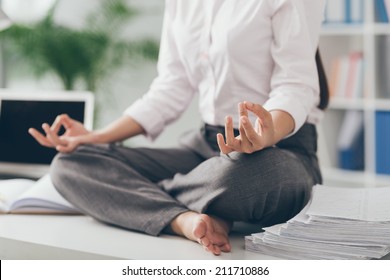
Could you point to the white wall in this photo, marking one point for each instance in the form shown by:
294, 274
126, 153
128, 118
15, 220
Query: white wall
127, 85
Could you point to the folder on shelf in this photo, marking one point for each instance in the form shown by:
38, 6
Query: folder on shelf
351, 141
382, 140
381, 14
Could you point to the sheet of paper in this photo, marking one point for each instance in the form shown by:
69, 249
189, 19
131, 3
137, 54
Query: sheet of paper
11, 190
44, 194
367, 204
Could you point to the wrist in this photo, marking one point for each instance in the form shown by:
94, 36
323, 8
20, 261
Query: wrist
96, 137
283, 125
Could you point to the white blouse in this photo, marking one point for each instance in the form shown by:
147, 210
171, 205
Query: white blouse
228, 51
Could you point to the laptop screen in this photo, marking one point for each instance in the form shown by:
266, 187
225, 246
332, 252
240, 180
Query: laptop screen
20, 153
17, 116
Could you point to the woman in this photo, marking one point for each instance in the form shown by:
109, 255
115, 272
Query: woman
259, 166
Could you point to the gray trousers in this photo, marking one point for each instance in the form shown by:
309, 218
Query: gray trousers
144, 189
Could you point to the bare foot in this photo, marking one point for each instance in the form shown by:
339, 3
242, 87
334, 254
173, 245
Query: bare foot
210, 232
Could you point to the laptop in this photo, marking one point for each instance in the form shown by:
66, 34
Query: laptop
20, 154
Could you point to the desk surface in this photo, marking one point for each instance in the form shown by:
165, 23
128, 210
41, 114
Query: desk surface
80, 237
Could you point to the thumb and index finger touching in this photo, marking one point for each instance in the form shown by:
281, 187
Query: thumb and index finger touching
61, 120
257, 109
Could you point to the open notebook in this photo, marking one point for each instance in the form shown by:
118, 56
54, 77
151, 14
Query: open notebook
23, 196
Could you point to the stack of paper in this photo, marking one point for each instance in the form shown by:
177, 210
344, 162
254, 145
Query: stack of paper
337, 223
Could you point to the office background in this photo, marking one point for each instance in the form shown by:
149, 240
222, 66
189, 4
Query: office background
354, 44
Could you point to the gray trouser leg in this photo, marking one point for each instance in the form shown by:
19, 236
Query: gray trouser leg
102, 182
144, 189
266, 187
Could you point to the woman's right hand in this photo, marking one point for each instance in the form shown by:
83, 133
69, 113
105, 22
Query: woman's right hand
75, 134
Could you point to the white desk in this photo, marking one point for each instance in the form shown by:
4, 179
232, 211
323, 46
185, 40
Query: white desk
80, 237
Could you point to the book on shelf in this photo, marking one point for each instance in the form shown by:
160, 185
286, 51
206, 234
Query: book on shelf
339, 76
24, 196
347, 76
383, 52
344, 11
355, 11
337, 223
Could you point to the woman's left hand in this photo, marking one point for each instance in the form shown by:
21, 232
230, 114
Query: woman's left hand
251, 139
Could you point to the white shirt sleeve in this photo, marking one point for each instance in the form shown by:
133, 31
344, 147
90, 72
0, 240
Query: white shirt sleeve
171, 92
294, 82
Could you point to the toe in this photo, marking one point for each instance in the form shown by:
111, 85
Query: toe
205, 242
200, 229
226, 248
216, 250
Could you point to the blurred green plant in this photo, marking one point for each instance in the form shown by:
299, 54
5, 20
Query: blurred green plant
90, 54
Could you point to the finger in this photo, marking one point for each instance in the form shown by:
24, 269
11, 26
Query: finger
65, 149
242, 110
251, 134
259, 126
260, 112
67, 122
58, 122
246, 145
40, 138
55, 127
51, 136
229, 132
225, 149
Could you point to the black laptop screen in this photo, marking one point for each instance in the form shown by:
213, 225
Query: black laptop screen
17, 116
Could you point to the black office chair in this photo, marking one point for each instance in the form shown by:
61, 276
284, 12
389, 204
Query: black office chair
324, 90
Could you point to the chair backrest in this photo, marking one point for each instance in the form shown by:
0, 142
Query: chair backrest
324, 90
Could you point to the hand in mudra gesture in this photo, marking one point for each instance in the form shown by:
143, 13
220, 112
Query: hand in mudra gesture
74, 134
251, 139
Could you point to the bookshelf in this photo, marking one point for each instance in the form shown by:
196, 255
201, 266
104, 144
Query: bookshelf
341, 39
